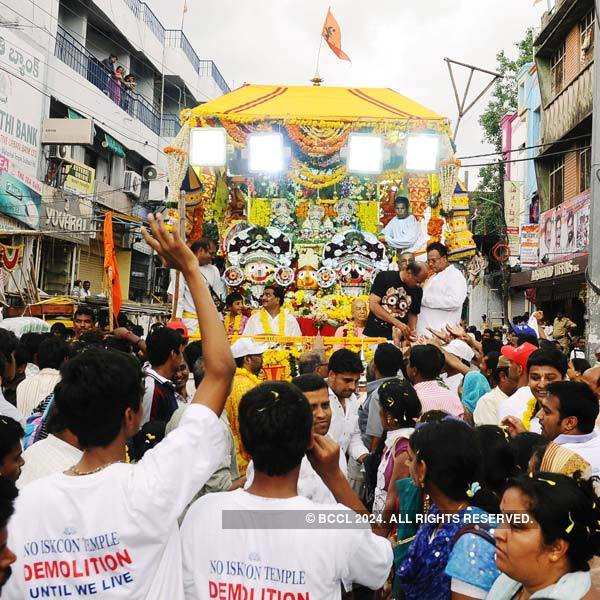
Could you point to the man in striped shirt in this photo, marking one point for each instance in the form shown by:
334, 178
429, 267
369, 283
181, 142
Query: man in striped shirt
425, 365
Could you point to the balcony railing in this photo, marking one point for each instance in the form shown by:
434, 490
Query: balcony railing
153, 23
175, 38
170, 125
80, 59
135, 6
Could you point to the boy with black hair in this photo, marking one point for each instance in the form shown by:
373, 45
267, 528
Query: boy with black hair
267, 539
8, 494
52, 353
388, 363
117, 522
234, 319
11, 459
164, 349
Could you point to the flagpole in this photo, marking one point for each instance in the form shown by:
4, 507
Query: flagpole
318, 58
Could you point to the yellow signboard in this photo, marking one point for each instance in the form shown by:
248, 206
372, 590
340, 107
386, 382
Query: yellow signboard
79, 179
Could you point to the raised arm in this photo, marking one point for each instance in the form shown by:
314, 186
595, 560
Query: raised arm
218, 362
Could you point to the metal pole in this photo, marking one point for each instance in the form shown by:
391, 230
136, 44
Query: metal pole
593, 268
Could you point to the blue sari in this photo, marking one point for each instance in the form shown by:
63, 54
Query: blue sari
434, 559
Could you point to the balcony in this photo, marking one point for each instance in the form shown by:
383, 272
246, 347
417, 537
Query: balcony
170, 125
142, 11
81, 60
568, 108
177, 39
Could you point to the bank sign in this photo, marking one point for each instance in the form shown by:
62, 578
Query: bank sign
68, 218
21, 112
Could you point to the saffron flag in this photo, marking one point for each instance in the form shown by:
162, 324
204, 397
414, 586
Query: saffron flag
111, 268
333, 36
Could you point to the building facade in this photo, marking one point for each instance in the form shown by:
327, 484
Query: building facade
564, 51
55, 62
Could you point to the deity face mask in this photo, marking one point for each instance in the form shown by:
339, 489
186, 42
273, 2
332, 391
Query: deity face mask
258, 272
353, 274
305, 280
397, 302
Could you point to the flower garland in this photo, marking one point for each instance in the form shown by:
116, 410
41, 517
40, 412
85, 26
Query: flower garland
260, 212
233, 326
529, 412
303, 175
368, 216
318, 142
265, 322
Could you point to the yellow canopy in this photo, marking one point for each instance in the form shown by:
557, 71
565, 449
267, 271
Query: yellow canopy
314, 105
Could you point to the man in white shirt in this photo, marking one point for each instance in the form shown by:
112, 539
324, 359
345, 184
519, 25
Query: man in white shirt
404, 232
345, 369
272, 318
58, 451
203, 249
519, 412
266, 541
113, 525
443, 293
568, 418
52, 353
486, 411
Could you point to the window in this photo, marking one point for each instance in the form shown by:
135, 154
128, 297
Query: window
586, 32
557, 171
557, 69
585, 166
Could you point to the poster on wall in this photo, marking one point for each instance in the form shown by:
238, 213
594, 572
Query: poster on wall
513, 201
21, 112
19, 201
564, 230
530, 245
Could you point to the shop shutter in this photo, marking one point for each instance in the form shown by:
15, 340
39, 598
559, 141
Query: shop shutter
91, 267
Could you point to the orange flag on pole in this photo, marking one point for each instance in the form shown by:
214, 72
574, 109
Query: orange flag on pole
111, 268
333, 36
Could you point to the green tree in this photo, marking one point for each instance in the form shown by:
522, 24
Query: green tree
487, 197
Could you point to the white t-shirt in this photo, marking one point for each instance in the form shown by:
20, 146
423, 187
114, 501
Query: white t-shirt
8, 410
443, 297
344, 428
186, 303
114, 531
517, 406
310, 484
300, 563
48, 456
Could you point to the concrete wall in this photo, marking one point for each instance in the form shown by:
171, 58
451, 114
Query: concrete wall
484, 301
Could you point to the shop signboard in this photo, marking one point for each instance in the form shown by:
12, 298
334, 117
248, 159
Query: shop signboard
67, 217
79, 179
513, 202
19, 201
530, 245
21, 109
561, 269
564, 230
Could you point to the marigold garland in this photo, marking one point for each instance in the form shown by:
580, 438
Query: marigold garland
368, 216
260, 212
303, 175
318, 142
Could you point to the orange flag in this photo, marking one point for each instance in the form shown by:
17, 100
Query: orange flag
333, 36
111, 268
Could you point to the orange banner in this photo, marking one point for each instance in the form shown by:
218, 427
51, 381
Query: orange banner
111, 268
333, 36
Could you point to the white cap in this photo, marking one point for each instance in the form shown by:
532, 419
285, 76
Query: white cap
461, 349
247, 347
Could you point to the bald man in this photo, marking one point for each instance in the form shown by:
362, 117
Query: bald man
395, 301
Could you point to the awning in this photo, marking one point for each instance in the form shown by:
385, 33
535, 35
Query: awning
113, 146
73, 114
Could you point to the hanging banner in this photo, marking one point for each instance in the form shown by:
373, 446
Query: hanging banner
79, 179
530, 245
513, 201
564, 230
19, 201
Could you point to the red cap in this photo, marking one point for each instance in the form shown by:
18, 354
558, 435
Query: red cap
179, 325
519, 355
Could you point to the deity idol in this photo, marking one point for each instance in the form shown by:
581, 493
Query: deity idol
313, 222
404, 232
281, 214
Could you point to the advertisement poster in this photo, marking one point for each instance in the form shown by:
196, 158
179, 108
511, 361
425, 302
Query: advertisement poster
530, 245
564, 230
513, 201
19, 201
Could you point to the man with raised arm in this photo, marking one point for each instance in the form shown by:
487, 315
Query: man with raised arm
109, 529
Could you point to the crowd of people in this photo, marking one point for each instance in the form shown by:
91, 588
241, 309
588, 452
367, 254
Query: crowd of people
457, 463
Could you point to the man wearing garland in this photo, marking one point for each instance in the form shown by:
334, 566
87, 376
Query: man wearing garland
272, 319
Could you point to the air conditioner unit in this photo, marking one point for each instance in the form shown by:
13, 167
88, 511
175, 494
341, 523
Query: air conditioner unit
60, 151
132, 184
158, 190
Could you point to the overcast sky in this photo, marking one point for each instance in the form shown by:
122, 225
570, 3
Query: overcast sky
392, 43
